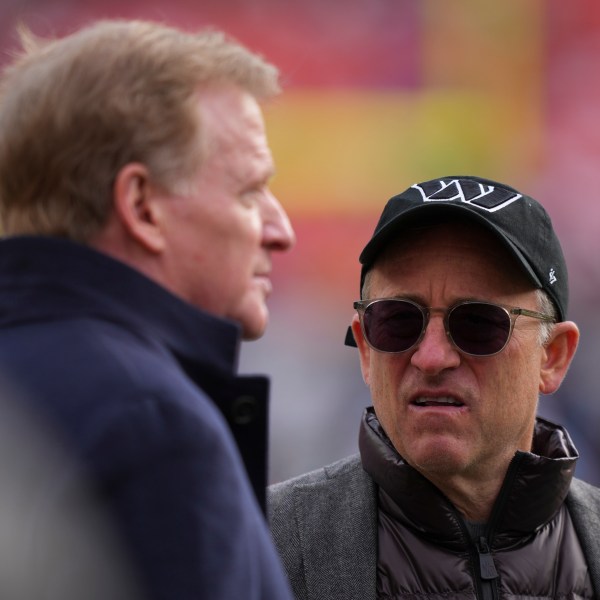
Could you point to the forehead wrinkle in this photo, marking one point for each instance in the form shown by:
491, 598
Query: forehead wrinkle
243, 158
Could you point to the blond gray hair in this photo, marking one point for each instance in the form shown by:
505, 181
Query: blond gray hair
74, 111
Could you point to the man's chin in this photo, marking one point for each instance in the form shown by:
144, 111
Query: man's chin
254, 326
440, 460
251, 336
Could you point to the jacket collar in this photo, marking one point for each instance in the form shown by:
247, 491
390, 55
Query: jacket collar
534, 488
52, 278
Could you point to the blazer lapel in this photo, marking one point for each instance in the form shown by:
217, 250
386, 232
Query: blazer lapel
584, 506
338, 538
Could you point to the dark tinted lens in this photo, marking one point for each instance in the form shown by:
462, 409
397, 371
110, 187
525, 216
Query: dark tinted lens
392, 325
479, 328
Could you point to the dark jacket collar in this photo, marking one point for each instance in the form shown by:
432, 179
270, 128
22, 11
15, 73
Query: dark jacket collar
534, 489
51, 278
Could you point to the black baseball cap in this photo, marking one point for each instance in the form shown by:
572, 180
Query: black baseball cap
520, 223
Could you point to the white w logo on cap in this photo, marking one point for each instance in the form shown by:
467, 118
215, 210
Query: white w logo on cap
486, 197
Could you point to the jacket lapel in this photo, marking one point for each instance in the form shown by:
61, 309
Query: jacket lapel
338, 538
584, 506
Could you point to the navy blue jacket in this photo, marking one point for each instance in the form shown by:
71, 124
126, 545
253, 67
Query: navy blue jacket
141, 387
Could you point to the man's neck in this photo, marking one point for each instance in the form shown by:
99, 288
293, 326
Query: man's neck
474, 499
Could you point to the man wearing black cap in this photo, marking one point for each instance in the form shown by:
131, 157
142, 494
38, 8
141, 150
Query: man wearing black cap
459, 491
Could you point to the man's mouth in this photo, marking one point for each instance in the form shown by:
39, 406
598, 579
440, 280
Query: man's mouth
438, 401
265, 281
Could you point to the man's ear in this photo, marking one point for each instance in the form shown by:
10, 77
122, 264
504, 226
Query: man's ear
364, 350
557, 356
137, 205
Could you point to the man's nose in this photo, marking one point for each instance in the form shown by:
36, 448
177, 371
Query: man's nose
278, 232
435, 352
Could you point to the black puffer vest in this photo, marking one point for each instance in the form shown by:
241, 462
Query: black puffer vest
528, 549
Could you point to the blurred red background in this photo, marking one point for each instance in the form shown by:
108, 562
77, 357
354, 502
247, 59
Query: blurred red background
380, 94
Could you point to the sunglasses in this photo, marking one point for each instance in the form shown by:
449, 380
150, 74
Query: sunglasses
476, 328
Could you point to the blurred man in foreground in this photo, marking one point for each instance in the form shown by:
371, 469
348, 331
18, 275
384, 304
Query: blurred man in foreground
134, 174
459, 491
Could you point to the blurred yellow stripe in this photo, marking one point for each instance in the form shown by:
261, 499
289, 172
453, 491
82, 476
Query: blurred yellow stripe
345, 151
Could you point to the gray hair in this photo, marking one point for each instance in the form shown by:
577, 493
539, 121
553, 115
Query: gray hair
545, 306
75, 110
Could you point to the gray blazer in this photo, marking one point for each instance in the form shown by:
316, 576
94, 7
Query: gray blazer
324, 524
